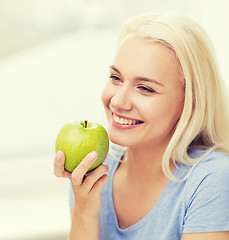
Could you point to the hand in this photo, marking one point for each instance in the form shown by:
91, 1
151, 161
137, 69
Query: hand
86, 186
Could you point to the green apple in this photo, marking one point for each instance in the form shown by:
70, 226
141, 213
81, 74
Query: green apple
77, 139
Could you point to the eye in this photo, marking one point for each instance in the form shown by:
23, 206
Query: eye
115, 78
145, 89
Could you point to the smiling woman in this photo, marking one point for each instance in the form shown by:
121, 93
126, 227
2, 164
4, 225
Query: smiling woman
168, 121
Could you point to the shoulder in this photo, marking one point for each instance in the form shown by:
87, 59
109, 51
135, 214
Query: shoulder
214, 164
209, 177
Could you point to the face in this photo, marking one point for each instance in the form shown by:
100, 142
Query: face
144, 95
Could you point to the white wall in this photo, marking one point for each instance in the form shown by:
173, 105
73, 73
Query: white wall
47, 85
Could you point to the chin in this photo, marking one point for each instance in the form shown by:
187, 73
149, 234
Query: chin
123, 142
121, 138
117, 138
117, 141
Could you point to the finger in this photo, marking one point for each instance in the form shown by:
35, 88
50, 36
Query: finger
93, 177
59, 170
98, 186
82, 168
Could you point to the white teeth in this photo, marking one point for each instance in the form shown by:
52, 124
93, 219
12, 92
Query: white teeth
123, 120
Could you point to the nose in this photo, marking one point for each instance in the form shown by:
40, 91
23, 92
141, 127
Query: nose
122, 99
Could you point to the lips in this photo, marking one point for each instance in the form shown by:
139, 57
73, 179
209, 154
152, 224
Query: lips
124, 123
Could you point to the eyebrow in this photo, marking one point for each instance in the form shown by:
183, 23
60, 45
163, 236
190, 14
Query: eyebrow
146, 79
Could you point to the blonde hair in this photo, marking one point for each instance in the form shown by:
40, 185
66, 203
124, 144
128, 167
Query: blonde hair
204, 122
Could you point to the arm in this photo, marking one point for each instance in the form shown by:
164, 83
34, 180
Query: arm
87, 194
84, 228
206, 236
91, 232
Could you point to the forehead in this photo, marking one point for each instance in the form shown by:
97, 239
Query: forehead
138, 56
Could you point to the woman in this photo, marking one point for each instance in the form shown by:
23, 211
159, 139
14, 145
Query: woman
165, 103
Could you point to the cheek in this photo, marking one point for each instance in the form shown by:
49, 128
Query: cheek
161, 111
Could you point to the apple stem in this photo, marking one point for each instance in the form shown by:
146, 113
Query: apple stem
85, 123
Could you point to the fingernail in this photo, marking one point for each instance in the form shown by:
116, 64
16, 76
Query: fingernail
92, 155
59, 155
107, 166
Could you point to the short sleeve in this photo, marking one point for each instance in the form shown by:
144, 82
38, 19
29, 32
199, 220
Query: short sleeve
207, 199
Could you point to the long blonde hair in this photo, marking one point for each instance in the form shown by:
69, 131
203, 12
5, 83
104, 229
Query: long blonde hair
204, 122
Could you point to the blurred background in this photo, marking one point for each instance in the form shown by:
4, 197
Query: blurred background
54, 58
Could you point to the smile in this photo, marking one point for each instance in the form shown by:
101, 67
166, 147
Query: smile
125, 121
122, 123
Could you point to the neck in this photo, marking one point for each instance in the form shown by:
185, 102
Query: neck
144, 165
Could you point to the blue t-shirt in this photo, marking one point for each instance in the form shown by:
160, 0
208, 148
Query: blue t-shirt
199, 204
